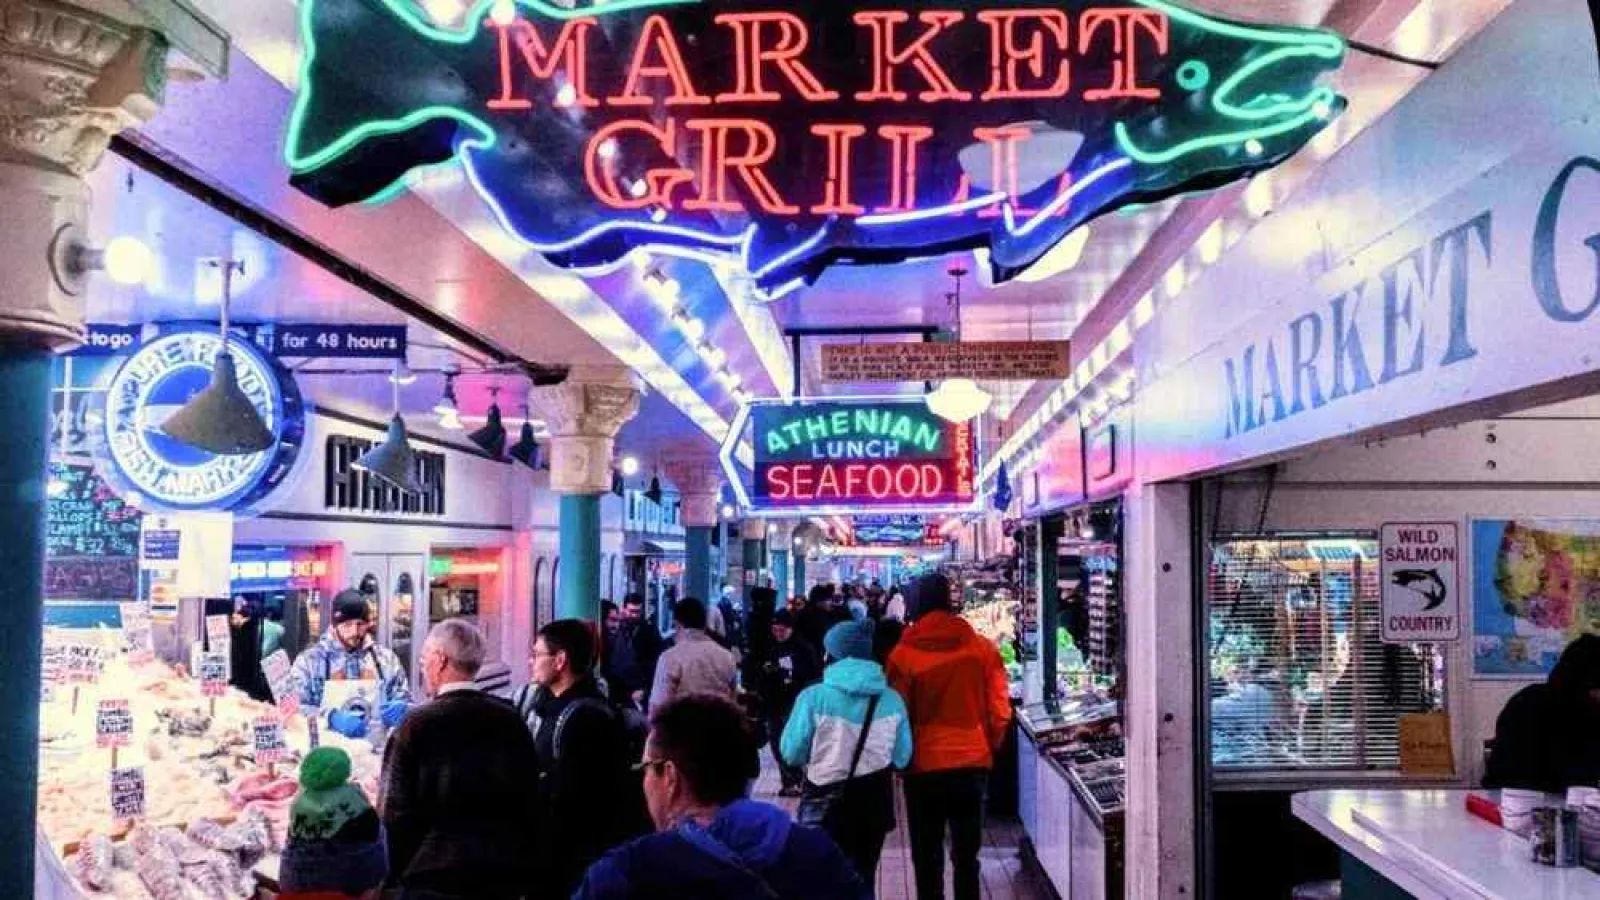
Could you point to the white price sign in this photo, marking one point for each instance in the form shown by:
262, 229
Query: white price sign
1420, 584
213, 674
269, 744
275, 668
113, 723
136, 639
127, 793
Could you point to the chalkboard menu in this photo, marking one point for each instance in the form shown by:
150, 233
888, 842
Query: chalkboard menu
91, 538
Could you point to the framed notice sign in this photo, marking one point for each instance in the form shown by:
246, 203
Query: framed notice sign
1420, 588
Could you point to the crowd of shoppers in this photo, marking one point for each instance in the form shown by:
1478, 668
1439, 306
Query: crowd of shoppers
567, 790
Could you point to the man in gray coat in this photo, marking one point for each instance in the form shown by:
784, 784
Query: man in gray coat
696, 664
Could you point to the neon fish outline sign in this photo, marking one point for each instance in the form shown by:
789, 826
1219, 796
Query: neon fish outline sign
731, 131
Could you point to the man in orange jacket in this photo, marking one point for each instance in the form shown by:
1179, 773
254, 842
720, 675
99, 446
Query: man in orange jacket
954, 686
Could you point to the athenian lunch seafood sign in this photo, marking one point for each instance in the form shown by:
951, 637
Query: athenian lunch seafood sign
745, 132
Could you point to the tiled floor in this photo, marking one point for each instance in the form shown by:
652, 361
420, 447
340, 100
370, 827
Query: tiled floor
1006, 873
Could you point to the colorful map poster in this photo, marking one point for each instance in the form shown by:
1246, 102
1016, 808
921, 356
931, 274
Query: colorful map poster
1535, 587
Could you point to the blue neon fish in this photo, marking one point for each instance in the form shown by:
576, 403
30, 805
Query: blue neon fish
738, 130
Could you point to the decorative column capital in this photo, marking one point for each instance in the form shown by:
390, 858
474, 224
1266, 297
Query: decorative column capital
753, 529
70, 79
699, 484
584, 414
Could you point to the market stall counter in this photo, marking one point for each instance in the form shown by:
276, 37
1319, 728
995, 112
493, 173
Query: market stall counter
1071, 794
154, 784
1426, 844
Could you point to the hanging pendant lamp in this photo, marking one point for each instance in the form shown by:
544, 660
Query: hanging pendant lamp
491, 438
653, 493
526, 449
392, 461
220, 419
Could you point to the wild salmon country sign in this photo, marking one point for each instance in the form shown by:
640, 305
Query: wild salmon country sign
787, 137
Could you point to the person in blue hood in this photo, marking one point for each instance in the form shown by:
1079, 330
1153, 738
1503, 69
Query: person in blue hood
711, 843
850, 733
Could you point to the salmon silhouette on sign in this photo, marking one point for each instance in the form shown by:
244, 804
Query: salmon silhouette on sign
743, 132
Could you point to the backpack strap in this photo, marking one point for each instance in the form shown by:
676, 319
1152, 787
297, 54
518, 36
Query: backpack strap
566, 715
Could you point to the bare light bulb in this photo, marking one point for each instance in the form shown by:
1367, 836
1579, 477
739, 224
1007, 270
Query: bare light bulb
127, 260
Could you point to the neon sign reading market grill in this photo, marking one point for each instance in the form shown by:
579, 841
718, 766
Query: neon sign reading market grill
840, 455
787, 138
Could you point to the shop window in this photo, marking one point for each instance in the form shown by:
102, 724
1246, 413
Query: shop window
1300, 678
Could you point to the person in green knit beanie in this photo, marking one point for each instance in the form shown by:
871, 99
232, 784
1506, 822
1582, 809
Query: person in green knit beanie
336, 846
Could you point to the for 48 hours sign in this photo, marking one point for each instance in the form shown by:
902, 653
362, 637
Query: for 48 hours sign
744, 131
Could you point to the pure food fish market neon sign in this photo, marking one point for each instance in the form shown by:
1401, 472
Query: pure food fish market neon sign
837, 455
787, 140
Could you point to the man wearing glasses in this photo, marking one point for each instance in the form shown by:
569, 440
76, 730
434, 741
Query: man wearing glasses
711, 843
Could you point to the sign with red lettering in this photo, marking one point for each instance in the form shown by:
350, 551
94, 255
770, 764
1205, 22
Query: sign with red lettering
781, 140
1420, 590
844, 455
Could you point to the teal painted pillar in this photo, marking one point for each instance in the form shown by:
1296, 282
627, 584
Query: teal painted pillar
578, 596
780, 571
25, 408
755, 551
697, 546
799, 573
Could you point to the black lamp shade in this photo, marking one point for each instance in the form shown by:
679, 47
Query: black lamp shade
392, 461
220, 419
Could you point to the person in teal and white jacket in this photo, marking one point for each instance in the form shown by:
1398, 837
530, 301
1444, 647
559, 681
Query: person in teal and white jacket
824, 734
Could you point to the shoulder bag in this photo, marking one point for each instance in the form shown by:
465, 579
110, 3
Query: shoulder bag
817, 804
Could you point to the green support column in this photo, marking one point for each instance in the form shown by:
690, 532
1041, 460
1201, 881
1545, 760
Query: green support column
25, 408
584, 414
1049, 593
578, 595
799, 573
780, 571
697, 544
755, 550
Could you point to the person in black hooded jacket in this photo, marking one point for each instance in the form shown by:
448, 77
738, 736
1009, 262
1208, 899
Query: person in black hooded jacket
1548, 735
589, 801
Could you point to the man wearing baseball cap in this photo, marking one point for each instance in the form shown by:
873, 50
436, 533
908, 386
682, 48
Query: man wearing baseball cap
348, 653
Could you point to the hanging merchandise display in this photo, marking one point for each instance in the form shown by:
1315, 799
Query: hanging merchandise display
842, 455
973, 126
142, 458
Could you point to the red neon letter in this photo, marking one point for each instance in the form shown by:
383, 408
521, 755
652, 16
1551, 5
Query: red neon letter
777, 487
907, 489
828, 482
932, 481
1125, 25
570, 53
750, 55
802, 482
603, 181
903, 141
836, 197
854, 473
1003, 160
887, 55
1006, 57
657, 34
716, 162
879, 481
